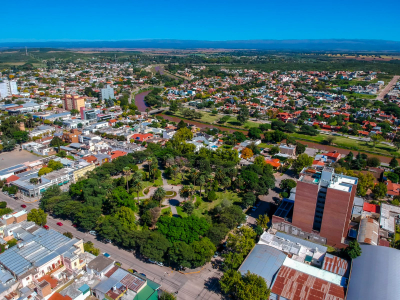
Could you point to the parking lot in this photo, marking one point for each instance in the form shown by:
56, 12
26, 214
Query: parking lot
15, 157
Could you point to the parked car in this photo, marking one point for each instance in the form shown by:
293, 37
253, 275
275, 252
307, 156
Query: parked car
23, 206
159, 264
152, 261
60, 224
143, 274
74, 225
46, 227
107, 241
106, 254
216, 254
92, 232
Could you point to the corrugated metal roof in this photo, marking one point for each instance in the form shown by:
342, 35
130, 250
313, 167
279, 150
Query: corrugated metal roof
293, 284
264, 261
336, 265
368, 231
374, 274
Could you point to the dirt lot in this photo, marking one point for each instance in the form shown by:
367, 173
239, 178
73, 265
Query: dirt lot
8, 159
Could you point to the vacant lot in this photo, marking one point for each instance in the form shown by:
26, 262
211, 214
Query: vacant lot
9, 159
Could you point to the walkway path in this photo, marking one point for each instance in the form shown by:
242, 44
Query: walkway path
172, 202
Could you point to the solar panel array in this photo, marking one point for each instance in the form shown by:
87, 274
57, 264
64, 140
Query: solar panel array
284, 209
22, 257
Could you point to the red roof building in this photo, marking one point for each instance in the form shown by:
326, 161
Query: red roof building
141, 137
296, 285
273, 162
335, 156
117, 153
90, 159
371, 208
12, 178
393, 189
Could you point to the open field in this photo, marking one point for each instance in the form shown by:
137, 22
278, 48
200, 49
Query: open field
15, 157
213, 119
347, 143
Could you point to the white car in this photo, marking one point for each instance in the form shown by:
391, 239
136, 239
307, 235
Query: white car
92, 232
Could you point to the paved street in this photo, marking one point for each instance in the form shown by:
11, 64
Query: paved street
189, 286
387, 88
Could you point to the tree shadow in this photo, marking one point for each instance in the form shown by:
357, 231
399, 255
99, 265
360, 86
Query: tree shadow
212, 285
173, 202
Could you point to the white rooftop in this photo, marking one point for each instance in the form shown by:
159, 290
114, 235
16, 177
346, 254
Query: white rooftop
387, 218
313, 271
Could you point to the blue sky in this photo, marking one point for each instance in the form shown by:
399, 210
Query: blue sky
199, 20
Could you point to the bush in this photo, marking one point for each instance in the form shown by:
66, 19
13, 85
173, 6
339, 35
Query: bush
3, 204
284, 195
212, 196
373, 162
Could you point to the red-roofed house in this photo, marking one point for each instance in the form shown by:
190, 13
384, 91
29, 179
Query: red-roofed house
115, 154
393, 189
318, 163
90, 159
141, 137
273, 162
334, 156
371, 208
12, 178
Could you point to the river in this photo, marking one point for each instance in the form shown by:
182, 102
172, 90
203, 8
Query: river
139, 101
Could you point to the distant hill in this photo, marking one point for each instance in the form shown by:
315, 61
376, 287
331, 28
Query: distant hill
292, 45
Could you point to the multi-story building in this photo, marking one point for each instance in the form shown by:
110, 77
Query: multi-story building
43, 251
8, 88
107, 93
88, 114
322, 205
73, 102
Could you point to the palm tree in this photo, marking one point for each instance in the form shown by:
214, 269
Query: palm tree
137, 187
194, 174
175, 170
183, 192
159, 194
219, 175
226, 182
201, 182
190, 191
127, 172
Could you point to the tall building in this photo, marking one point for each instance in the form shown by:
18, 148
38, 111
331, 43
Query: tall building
322, 204
73, 102
8, 88
88, 114
107, 93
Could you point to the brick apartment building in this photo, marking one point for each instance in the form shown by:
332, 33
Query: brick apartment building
73, 102
322, 205
72, 136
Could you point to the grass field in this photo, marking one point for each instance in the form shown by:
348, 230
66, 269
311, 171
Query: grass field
347, 143
213, 119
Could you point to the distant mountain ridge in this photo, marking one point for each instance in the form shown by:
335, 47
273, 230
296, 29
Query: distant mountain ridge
293, 45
